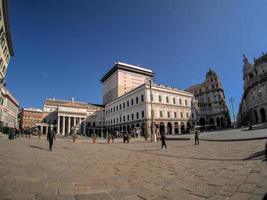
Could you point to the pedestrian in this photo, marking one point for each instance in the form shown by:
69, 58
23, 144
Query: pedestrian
196, 137
113, 139
50, 138
39, 134
163, 140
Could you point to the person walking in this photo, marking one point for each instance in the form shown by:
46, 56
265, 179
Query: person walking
50, 138
39, 134
196, 137
163, 140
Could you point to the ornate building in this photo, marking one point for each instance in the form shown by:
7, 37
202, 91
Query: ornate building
30, 117
211, 102
172, 110
9, 109
252, 108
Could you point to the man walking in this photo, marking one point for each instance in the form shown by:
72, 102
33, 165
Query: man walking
163, 140
50, 138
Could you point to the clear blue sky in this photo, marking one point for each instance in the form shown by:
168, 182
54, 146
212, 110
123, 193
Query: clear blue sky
63, 47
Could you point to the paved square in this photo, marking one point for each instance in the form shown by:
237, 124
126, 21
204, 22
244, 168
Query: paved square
82, 170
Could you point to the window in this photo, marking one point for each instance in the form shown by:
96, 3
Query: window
180, 101
124, 118
137, 115
151, 97
120, 119
136, 100
159, 98
167, 99
173, 101
128, 103
168, 114
185, 102
160, 114
175, 115
143, 114
132, 116
123, 105
181, 114
120, 106
142, 98
187, 115
193, 116
132, 102
128, 118
117, 108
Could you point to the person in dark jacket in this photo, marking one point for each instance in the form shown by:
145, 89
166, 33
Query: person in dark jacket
163, 140
50, 138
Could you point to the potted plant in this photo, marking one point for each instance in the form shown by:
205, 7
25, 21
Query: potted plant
109, 138
74, 136
94, 138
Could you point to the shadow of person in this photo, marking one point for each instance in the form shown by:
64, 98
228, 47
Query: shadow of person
36, 147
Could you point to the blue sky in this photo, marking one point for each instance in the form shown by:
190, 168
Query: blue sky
63, 47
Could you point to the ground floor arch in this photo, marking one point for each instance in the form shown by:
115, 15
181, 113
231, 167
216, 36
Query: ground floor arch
263, 115
169, 128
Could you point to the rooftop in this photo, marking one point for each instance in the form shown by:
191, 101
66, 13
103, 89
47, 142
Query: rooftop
72, 103
127, 67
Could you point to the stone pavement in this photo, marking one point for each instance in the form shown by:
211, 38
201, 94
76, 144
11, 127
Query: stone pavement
225, 135
135, 171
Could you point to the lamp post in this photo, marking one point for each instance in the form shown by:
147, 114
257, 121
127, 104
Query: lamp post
153, 138
231, 101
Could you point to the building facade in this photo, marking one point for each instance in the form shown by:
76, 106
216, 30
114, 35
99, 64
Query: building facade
172, 110
6, 49
65, 117
253, 106
213, 110
123, 78
9, 109
30, 117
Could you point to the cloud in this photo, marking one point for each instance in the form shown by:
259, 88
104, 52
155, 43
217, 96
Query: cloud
44, 74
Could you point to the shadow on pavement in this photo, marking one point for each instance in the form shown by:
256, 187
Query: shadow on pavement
260, 155
36, 147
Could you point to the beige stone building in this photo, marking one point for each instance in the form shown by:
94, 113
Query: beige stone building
9, 109
128, 102
6, 48
253, 106
213, 110
123, 78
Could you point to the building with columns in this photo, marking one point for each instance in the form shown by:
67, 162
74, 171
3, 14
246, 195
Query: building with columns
253, 106
65, 117
123, 78
172, 109
212, 106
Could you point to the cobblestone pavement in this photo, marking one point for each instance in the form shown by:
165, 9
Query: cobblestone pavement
137, 171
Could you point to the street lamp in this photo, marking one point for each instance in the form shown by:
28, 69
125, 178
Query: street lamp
153, 138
